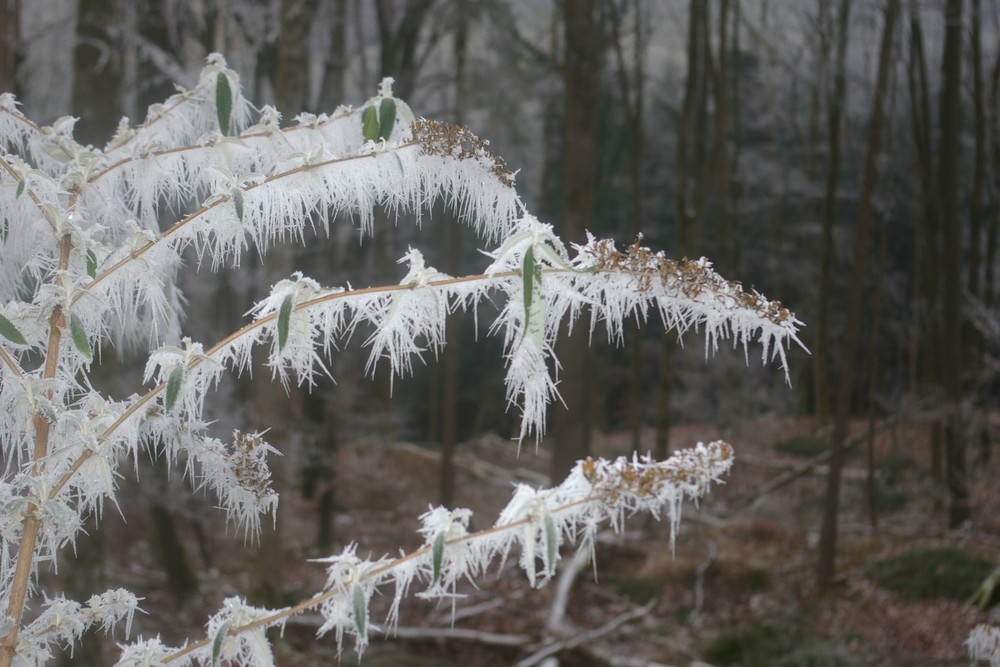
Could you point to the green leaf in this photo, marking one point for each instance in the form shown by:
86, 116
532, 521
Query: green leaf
20, 189
223, 102
91, 264
47, 412
174, 386
10, 332
237, 195
360, 610
437, 557
386, 117
284, 318
369, 124
550, 542
220, 637
79, 335
528, 278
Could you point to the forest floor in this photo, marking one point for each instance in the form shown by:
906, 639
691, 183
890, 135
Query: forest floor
737, 590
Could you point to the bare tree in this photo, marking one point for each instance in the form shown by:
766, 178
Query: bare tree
827, 549
951, 266
571, 429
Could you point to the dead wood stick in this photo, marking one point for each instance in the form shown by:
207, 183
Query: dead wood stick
492, 638
554, 647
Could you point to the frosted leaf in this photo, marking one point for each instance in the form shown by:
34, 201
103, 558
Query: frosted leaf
350, 578
984, 644
247, 647
449, 562
149, 653
403, 317
240, 477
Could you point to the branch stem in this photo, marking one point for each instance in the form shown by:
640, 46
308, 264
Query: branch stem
381, 569
32, 522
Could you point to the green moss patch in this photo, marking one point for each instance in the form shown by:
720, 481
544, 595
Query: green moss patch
931, 572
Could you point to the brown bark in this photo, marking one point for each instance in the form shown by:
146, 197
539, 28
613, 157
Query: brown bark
631, 88
8, 43
571, 428
951, 267
452, 262
925, 347
398, 41
335, 71
835, 106
826, 568
291, 85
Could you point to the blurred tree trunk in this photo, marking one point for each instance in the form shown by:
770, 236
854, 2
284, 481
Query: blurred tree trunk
452, 246
993, 230
925, 347
8, 43
274, 407
731, 237
835, 105
398, 41
688, 205
46, 44
978, 211
571, 427
951, 267
399, 24
827, 549
631, 88
333, 92
291, 73
994, 131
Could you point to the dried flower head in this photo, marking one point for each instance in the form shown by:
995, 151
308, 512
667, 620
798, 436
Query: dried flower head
692, 277
457, 141
248, 461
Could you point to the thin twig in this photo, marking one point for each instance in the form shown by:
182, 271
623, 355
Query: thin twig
460, 634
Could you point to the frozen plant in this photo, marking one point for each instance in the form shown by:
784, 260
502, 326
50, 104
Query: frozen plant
84, 265
984, 644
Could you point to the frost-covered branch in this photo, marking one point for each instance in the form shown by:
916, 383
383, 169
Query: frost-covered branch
984, 644
86, 265
537, 521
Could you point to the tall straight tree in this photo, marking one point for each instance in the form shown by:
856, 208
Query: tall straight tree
826, 567
451, 245
951, 266
571, 428
835, 105
631, 86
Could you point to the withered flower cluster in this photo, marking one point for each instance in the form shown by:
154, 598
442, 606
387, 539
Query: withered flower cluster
457, 141
694, 278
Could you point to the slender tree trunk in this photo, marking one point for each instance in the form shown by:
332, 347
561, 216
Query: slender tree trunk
689, 172
731, 249
333, 92
835, 106
927, 328
8, 43
453, 249
993, 230
826, 567
979, 209
631, 87
571, 427
951, 267
46, 43
274, 406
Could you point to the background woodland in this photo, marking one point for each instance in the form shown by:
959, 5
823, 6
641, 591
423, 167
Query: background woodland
841, 155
